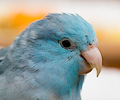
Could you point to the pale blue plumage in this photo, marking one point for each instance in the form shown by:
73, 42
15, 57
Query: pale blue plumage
37, 67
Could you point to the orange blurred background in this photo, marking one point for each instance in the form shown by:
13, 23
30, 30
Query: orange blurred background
13, 25
15, 16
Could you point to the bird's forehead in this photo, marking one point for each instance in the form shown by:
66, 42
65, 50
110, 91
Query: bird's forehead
64, 24
72, 26
57, 26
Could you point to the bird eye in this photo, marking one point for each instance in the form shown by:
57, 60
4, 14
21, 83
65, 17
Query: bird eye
67, 43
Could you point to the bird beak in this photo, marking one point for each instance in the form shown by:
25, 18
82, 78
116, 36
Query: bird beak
93, 57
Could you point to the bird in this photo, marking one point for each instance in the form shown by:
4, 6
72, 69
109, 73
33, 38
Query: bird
49, 59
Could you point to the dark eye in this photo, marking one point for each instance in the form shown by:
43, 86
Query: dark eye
67, 43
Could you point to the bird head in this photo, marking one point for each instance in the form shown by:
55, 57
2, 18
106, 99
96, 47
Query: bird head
61, 46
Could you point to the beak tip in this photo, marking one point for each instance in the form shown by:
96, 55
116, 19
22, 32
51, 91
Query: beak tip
98, 74
98, 71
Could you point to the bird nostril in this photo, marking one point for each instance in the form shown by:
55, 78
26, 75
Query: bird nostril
90, 44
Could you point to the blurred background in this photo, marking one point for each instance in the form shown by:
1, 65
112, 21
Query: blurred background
104, 15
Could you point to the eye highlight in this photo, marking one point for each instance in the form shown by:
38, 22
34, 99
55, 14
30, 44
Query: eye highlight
67, 43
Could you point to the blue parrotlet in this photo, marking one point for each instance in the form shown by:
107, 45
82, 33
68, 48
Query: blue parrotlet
49, 60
